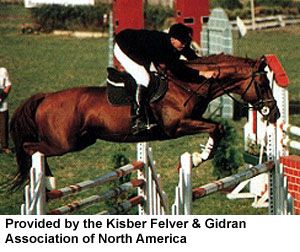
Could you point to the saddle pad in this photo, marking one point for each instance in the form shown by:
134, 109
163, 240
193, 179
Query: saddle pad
117, 94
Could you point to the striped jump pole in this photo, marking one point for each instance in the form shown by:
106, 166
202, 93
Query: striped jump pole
184, 194
231, 180
124, 207
151, 198
290, 129
55, 194
114, 193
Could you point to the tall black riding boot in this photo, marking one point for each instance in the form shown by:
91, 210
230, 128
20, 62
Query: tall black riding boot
139, 121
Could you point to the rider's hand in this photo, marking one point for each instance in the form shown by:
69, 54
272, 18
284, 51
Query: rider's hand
207, 74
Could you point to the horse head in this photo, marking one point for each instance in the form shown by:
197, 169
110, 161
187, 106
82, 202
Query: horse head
243, 76
257, 91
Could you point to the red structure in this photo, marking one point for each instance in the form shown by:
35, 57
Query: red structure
291, 166
280, 75
127, 14
193, 13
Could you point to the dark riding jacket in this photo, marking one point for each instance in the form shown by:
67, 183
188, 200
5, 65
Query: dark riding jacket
144, 47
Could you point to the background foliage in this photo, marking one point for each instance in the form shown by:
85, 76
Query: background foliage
282, 3
60, 17
156, 16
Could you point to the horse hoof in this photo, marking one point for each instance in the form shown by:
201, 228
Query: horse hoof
196, 159
50, 183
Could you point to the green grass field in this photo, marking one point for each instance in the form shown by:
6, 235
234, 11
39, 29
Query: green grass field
46, 63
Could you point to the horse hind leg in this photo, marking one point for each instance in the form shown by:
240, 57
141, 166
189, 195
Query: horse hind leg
32, 147
78, 144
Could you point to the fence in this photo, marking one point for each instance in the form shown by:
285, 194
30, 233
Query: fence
268, 22
184, 194
151, 199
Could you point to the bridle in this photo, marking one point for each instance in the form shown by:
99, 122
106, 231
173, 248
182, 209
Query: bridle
260, 104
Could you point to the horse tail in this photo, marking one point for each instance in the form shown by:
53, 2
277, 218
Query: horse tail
23, 129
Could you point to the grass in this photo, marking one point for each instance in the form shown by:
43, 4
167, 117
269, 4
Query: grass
45, 63
281, 42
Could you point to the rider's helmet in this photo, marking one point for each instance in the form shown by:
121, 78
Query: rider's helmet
182, 33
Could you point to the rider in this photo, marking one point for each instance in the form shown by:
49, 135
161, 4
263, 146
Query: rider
137, 49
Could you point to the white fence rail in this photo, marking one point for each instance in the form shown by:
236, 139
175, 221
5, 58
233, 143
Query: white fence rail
268, 22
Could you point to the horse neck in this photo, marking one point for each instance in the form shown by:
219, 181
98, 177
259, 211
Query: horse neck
232, 79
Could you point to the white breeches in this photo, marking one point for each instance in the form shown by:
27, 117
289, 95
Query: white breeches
138, 72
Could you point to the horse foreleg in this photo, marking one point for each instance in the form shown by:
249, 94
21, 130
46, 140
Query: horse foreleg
215, 131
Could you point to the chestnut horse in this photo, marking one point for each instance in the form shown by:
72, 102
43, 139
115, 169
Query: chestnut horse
73, 119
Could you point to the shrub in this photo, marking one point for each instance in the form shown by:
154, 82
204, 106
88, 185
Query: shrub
61, 17
242, 13
228, 157
282, 3
226, 4
155, 16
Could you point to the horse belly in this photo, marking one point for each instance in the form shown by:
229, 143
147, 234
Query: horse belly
112, 121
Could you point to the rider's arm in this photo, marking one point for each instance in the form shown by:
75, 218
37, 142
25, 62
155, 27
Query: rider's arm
189, 53
184, 73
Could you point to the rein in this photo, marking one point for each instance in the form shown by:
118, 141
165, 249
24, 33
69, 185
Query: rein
188, 90
192, 91
259, 104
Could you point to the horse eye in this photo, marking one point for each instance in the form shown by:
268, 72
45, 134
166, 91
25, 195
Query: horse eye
265, 111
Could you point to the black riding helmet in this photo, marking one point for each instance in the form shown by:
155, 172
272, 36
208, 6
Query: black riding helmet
182, 33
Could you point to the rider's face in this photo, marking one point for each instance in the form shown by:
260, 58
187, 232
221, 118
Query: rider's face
177, 44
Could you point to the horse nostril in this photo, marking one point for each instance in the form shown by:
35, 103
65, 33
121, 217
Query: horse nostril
274, 116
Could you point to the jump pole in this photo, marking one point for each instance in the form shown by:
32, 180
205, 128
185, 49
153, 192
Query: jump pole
184, 194
151, 199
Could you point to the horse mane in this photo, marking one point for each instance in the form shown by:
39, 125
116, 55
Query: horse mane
231, 65
222, 58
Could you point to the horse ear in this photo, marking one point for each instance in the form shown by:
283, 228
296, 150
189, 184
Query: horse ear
262, 64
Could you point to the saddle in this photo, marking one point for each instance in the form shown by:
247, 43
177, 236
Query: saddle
121, 88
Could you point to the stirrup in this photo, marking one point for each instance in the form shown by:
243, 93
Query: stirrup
140, 126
